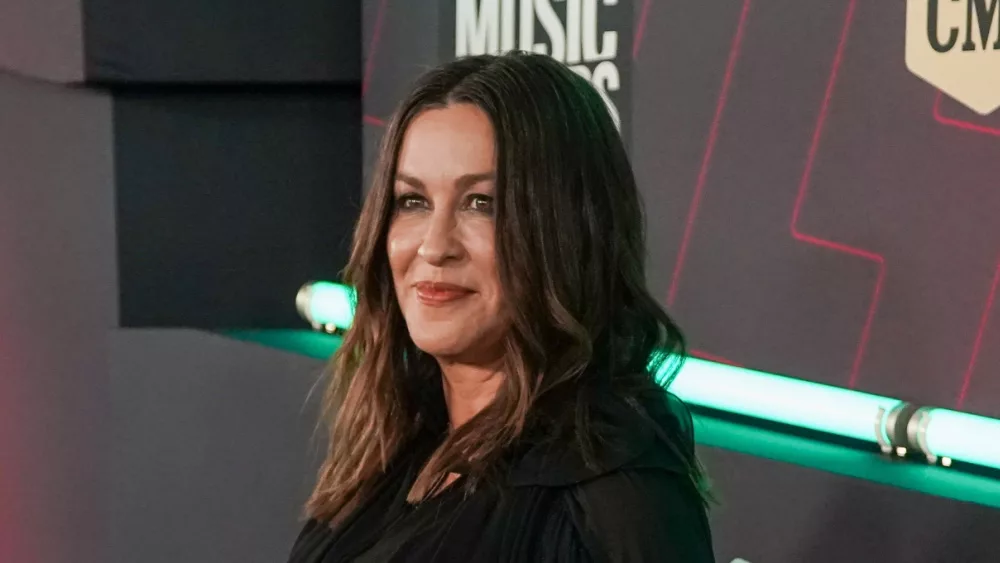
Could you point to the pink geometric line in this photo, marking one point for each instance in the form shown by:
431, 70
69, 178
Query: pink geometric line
951, 122
372, 120
804, 187
712, 358
706, 161
373, 46
984, 318
640, 28
983, 322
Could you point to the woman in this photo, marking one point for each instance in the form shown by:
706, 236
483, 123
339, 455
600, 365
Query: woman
495, 397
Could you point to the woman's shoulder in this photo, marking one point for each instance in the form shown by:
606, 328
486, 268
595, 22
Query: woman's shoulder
637, 499
640, 514
622, 435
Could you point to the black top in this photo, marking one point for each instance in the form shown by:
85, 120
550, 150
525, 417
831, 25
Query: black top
635, 504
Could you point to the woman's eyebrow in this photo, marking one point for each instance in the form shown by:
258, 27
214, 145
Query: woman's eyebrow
410, 180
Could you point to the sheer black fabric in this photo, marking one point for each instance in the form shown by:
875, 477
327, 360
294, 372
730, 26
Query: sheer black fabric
635, 504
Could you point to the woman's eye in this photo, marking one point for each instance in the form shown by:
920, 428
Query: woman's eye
477, 202
482, 203
408, 201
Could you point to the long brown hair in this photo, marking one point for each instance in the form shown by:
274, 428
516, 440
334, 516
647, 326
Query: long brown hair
570, 250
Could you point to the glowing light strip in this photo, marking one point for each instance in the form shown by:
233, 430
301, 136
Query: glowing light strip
962, 436
782, 399
326, 305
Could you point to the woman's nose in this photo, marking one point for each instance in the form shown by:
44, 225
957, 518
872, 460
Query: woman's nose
439, 242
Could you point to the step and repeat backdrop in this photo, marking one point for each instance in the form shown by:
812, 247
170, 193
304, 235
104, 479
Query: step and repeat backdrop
822, 210
824, 179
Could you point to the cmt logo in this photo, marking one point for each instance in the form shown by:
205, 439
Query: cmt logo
955, 46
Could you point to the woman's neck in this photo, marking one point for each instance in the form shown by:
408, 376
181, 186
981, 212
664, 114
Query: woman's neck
468, 389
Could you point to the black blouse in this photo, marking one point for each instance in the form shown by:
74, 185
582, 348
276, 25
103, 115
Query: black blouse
637, 504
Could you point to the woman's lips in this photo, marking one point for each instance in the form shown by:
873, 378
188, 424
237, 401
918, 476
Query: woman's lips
438, 297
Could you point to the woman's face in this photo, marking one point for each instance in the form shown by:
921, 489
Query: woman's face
440, 240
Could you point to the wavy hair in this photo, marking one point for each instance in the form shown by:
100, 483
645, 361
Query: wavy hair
570, 251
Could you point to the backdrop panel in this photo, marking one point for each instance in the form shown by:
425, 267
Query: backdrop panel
835, 226
213, 451
42, 39
58, 299
185, 41
229, 201
819, 210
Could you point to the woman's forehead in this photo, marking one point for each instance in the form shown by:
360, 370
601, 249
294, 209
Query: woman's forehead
447, 144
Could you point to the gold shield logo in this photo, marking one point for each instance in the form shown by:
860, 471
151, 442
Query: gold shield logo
955, 46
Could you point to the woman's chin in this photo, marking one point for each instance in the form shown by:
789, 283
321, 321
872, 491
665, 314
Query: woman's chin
441, 349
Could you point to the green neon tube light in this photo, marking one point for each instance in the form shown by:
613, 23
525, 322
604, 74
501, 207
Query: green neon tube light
782, 399
326, 305
958, 435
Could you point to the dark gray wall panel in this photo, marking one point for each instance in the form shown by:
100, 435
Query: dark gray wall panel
774, 512
213, 450
58, 299
223, 41
229, 201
